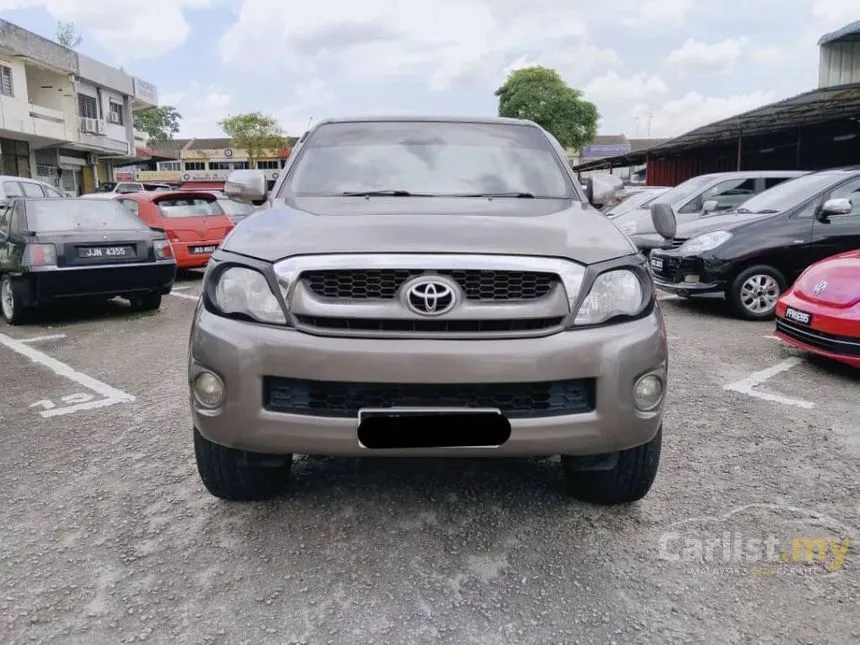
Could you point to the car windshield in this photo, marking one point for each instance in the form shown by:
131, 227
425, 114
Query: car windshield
438, 159
684, 190
57, 215
235, 208
106, 187
634, 201
189, 207
788, 194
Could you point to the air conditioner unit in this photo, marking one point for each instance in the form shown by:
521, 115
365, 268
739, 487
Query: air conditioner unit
88, 125
100, 126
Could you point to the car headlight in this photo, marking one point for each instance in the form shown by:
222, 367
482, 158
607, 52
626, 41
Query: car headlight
706, 242
615, 293
245, 291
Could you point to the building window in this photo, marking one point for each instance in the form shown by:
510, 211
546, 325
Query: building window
6, 88
195, 165
88, 106
116, 113
240, 165
219, 165
268, 164
168, 165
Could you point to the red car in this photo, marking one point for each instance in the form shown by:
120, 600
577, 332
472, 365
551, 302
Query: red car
820, 313
194, 222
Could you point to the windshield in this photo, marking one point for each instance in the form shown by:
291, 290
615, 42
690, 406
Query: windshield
189, 207
634, 201
235, 208
788, 194
684, 190
106, 187
429, 159
54, 215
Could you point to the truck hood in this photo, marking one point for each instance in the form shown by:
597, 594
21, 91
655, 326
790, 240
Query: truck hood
721, 222
543, 227
838, 278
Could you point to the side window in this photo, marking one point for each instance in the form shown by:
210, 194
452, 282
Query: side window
731, 193
131, 205
5, 219
32, 190
808, 210
51, 192
12, 189
770, 182
851, 191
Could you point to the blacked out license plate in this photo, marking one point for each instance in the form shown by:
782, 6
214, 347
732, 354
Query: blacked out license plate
798, 316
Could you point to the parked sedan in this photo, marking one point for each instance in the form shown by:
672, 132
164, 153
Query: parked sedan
194, 222
820, 313
754, 253
59, 249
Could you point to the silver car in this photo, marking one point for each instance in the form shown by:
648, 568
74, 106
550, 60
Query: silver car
427, 287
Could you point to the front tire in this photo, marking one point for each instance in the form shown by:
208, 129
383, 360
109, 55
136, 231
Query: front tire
148, 302
754, 292
232, 474
628, 480
12, 301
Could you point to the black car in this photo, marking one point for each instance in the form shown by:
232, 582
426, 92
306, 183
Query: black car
58, 249
755, 252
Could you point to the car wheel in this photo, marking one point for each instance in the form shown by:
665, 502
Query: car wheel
754, 292
232, 474
149, 302
626, 479
12, 301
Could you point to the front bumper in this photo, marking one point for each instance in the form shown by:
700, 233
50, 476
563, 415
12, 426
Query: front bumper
685, 275
52, 283
834, 333
244, 354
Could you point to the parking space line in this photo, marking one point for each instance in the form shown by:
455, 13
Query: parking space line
39, 339
747, 385
181, 288
111, 395
184, 295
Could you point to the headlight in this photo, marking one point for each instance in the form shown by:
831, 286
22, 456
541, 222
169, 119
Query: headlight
615, 293
705, 242
245, 291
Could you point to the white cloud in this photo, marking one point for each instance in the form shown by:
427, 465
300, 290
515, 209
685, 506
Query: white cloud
768, 54
694, 57
660, 13
693, 110
129, 29
572, 63
613, 87
201, 105
833, 14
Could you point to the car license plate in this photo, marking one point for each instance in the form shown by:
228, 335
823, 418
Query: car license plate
657, 264
802, 317
203, 249
104, 251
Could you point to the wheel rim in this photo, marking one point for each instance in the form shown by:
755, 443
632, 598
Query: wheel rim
759, 293
6, 299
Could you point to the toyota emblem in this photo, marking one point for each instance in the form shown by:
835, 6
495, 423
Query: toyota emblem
430, 296
819, 287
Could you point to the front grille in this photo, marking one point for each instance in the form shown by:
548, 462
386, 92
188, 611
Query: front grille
677, 242
383, 284
344, 400
819, 340
671, 271
439, 325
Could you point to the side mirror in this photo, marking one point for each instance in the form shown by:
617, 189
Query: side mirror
839, 206
600, 191
246, 186
664, 220
710, 206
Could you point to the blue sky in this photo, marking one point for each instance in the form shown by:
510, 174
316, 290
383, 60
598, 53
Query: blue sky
675, 64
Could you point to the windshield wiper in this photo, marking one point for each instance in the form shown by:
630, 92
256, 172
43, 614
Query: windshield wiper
516, 195
377, 193
766, 211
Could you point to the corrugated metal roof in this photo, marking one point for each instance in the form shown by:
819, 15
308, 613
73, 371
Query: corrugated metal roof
852, 29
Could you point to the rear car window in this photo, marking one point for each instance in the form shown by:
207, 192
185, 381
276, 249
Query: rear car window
32, 190
189, 207
60, 215
12, 189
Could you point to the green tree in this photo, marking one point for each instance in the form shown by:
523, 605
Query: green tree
541, 95
256, 133
67, 34
158, 123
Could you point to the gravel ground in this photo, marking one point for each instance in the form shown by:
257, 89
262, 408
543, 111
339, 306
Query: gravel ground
109, 537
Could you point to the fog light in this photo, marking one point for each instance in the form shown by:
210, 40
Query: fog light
691, 278
208, 390
648, 392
